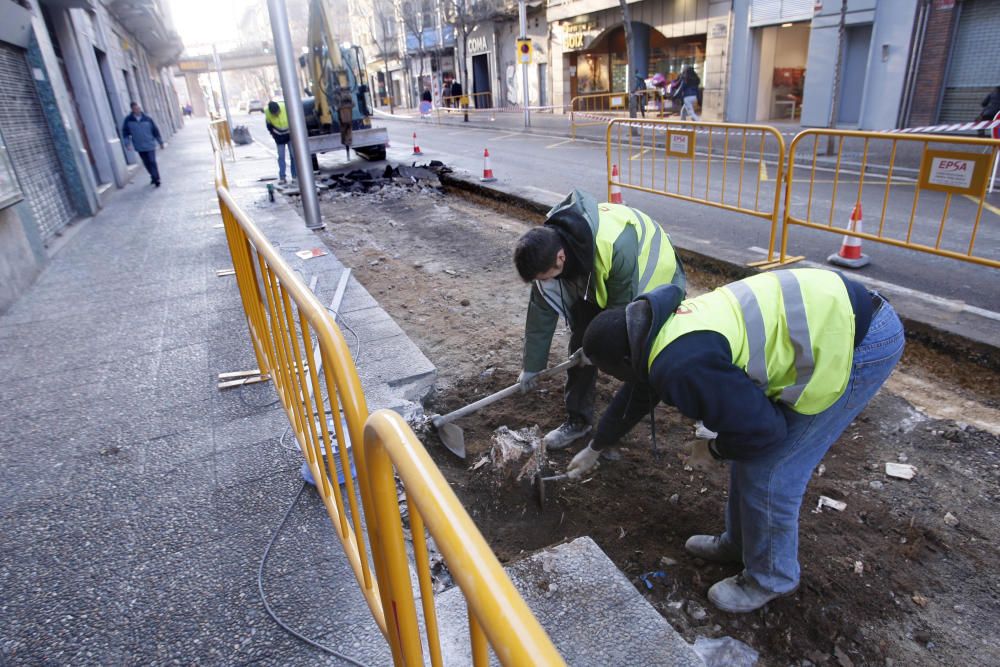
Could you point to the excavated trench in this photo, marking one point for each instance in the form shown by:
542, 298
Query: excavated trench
886, 581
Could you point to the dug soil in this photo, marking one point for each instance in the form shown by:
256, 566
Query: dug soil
908, 573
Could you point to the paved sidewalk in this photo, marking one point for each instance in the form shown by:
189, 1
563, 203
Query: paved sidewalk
136, 499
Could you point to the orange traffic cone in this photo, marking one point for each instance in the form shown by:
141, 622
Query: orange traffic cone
416, 148
487, 170
850, 254
616, 191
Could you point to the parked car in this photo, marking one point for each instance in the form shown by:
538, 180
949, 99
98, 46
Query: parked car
255, 105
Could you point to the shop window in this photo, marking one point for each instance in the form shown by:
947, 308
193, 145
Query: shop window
592, 74
619, 73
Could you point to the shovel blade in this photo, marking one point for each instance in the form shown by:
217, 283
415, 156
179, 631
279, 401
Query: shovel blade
453, 438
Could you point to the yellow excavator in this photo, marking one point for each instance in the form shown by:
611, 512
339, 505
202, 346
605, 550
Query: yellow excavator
339, 107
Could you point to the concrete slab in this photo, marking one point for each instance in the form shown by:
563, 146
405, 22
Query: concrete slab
586, 605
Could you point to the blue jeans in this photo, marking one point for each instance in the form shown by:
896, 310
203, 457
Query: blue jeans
281, 159
765, 494
687, 111
149, 162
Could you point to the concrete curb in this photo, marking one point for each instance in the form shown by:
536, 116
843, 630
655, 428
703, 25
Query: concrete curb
950, 326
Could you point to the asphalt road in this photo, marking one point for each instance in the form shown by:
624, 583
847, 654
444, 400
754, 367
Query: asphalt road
544, 157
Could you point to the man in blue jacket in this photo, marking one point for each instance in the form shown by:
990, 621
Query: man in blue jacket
141, 134
778, 365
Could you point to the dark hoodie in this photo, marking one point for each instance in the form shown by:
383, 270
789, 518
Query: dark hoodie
695, 373
569, 219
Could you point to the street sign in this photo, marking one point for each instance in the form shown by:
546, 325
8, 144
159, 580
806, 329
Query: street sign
524, 51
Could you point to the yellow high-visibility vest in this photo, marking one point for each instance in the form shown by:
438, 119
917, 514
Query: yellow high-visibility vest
657, 262
279, 120
791, 331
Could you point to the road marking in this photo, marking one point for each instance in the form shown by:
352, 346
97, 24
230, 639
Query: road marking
949, 304
989, 207
559, 143
763, 171
640, 154
506, 136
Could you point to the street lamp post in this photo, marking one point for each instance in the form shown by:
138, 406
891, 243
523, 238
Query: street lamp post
222, 87
296, 116
522, 15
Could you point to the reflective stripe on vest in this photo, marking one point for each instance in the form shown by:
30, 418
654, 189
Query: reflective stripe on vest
791, 331
656, 264
798, 334
279, 121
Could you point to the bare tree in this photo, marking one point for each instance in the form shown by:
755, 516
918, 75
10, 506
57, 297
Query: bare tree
381, 17
413, 22
630, 79
463, 15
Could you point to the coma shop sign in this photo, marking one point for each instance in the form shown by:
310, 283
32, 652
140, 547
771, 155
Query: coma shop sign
478, 44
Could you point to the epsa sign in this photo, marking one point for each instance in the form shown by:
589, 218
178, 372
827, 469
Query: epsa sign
950, 172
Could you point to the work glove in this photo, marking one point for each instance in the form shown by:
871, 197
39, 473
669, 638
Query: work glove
700, 457
584, 462
528, 381
703, 432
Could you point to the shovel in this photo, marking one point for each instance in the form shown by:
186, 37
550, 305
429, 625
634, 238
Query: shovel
452, 435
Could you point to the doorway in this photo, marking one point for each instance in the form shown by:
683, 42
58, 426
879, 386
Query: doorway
852, 73
481, 81
780, 54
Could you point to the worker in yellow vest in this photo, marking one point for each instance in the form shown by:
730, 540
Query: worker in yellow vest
778, 365
276, 119
585, 258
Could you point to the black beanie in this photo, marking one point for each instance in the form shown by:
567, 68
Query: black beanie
606, 340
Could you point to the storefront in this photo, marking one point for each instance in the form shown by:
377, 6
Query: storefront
603, 67
667, 37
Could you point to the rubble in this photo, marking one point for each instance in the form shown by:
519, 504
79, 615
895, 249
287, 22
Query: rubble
900, 470
826, 501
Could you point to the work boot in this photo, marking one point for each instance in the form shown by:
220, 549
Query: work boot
739, 594
565, 435
710, 547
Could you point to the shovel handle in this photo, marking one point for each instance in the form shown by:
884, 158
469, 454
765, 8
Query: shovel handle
503, 393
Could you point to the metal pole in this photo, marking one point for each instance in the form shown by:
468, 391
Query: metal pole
222, 87
835, 102
522, 15
296, 116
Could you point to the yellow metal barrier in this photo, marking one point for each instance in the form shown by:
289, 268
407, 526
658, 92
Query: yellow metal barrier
944, 178
222, 138
302, 350
285, 320
725, 165
497, 613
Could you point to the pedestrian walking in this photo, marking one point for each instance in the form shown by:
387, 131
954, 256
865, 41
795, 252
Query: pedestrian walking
640, 93
991, 106
426, 103
690, 83
276, 121
585, 258
140, 134
778, 365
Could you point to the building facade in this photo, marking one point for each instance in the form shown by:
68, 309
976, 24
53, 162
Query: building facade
68, 71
